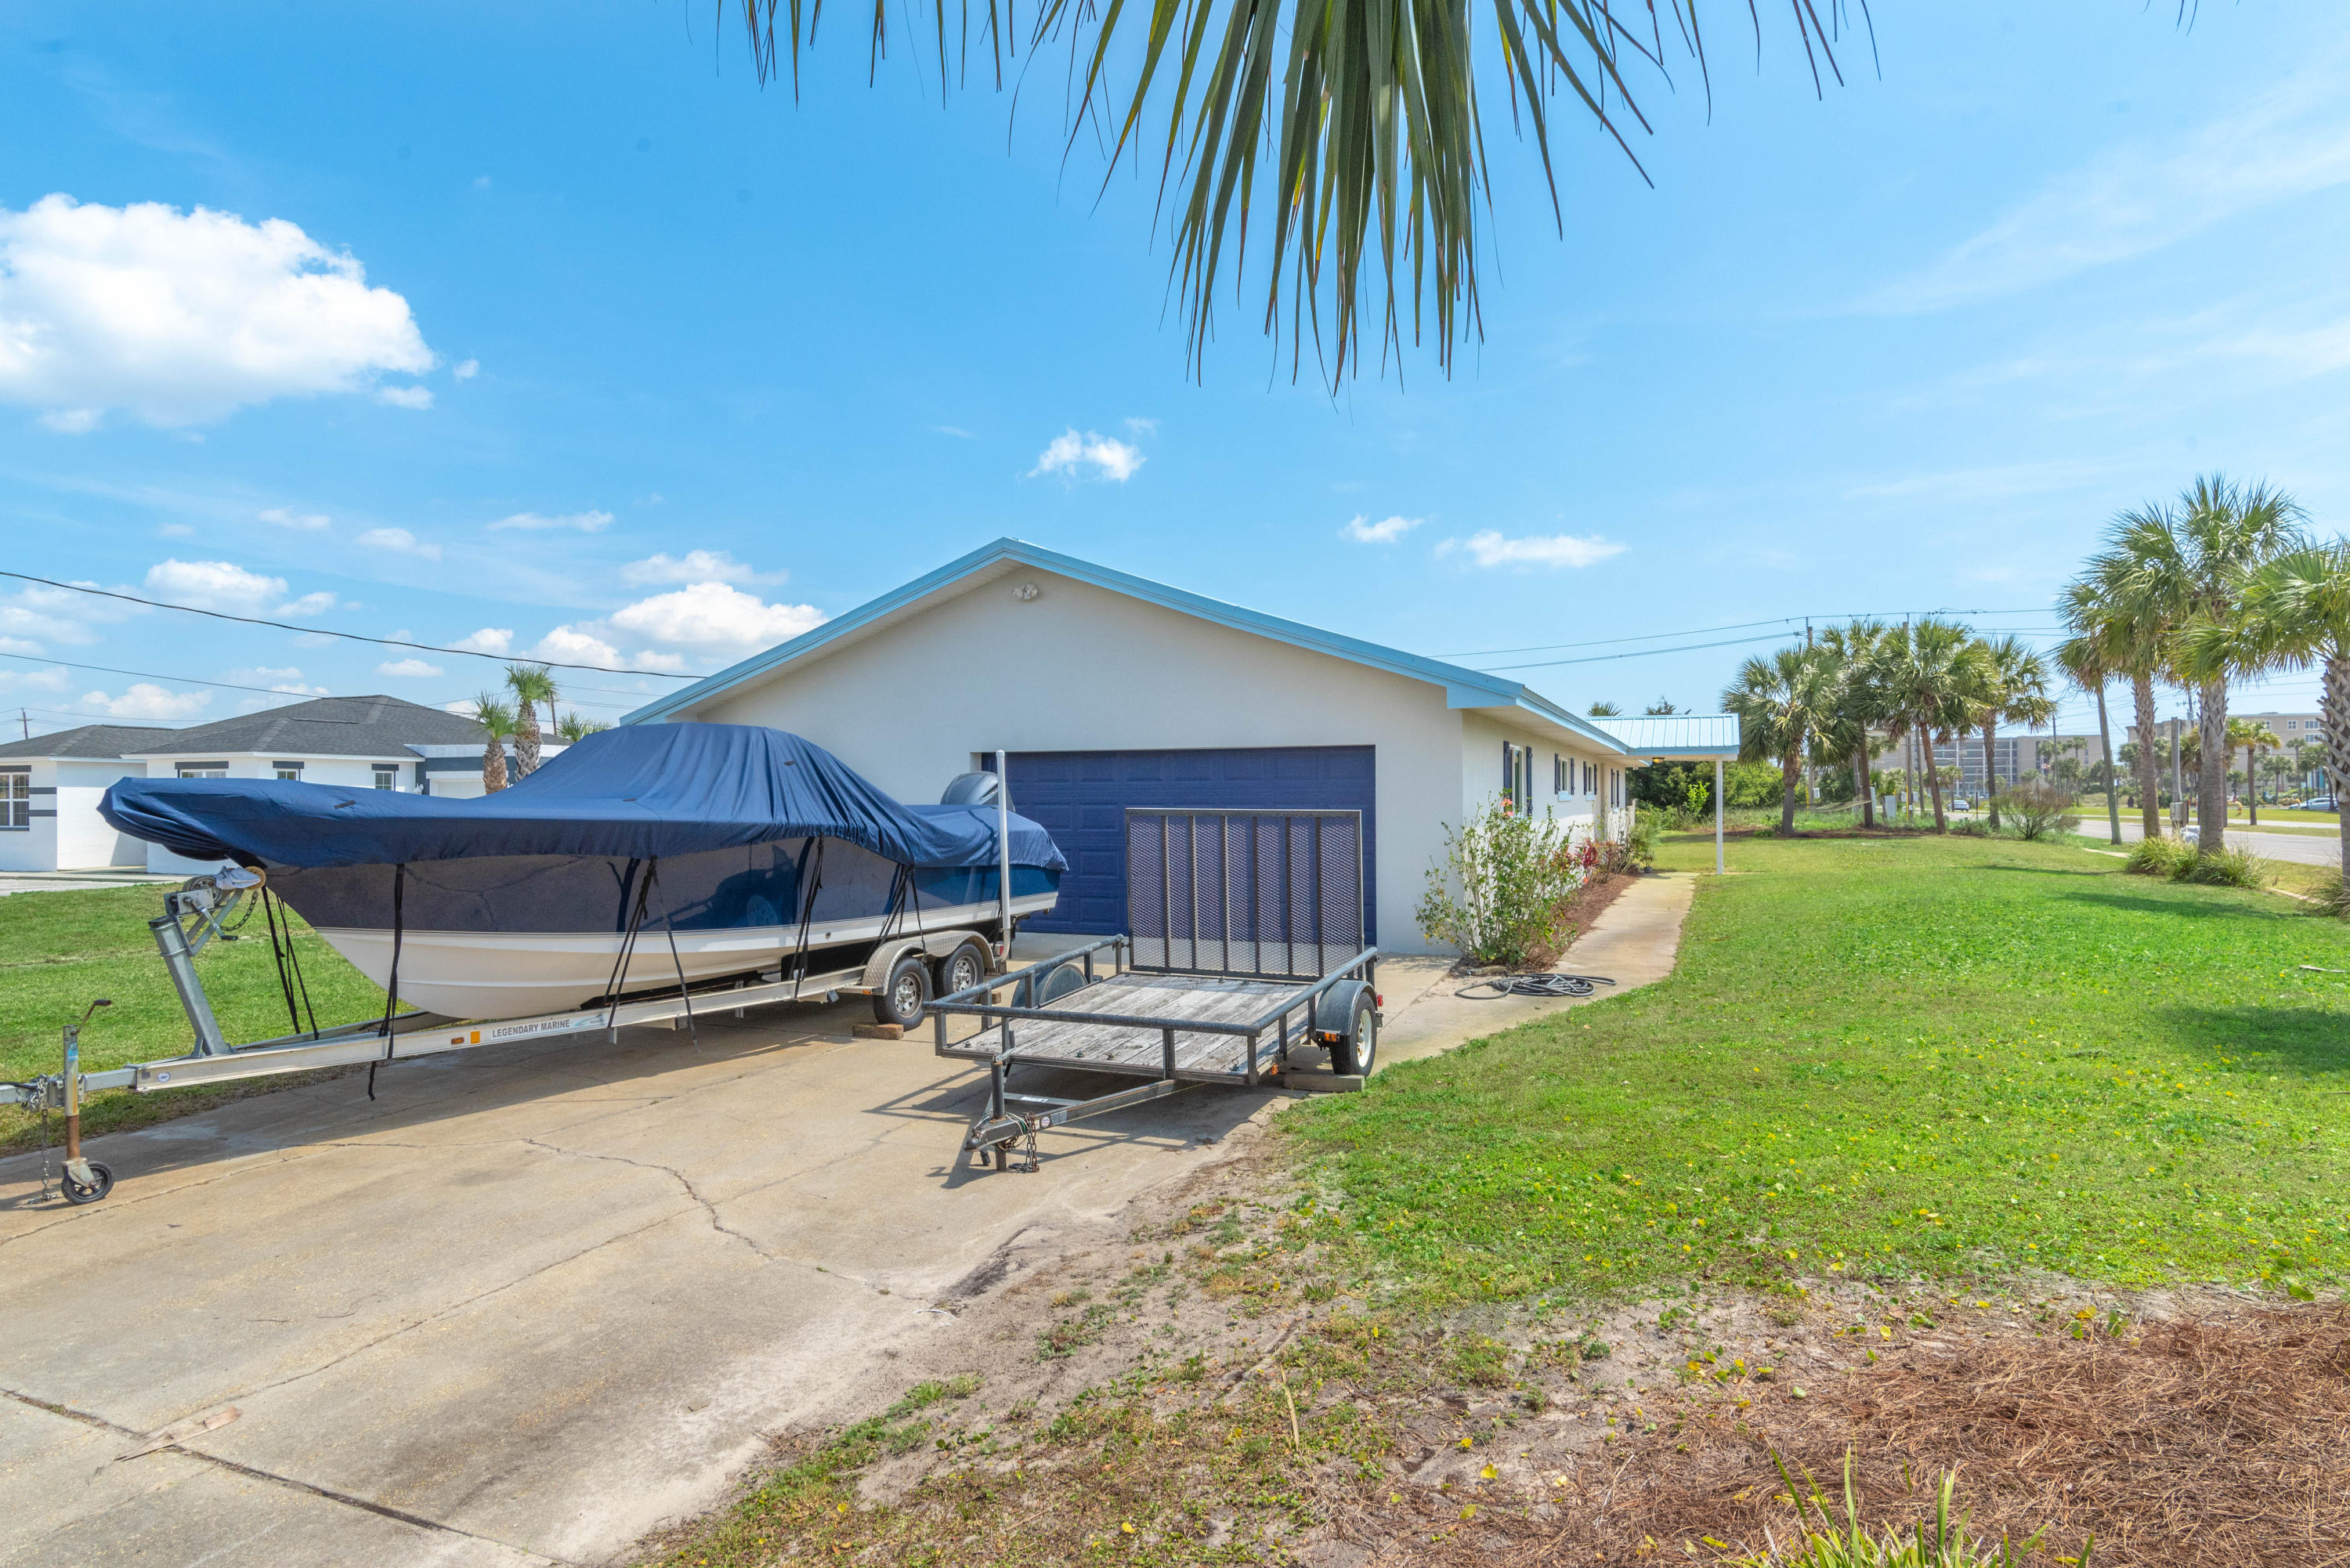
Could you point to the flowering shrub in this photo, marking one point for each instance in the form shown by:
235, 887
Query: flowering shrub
1497, 896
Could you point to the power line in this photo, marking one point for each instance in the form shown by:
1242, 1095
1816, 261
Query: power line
1734, 625
279, 690
346, 636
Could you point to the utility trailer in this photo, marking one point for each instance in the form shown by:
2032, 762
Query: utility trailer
195, 915
1090, 1010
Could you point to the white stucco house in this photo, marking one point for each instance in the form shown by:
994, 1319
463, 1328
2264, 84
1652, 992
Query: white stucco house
50, 784
49, 788
1111, 693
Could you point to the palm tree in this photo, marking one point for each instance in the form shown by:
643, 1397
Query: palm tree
2083, 659
2128, 638
497, 722
1331, 140
2015, 686
1602, 709
2188, 566
2253, 737
531, 684
1934, 674
1856, 653
2296, 613
571, 728
1779, 702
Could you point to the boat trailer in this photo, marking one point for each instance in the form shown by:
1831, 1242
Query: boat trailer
193, 917
1177, 1027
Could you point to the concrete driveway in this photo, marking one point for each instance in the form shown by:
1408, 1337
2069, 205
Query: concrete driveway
523, 1306
533, 1302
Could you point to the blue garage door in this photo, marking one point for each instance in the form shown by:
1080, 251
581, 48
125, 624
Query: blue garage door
1080, 798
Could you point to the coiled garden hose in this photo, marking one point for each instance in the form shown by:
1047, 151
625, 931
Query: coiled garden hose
1496, 987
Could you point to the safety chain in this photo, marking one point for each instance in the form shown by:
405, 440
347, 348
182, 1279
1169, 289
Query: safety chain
1028, 1130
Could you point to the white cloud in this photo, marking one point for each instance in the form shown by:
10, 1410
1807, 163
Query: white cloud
300, 521
58, 678
34, 614
175, 531
1141, 427
495, 639
262, 675
183, 318
1386, 531
400, 541
700, 626
409, 669
1489, 548
955, 431
1098, 456
695, 566
586, 522
214, 586
2142, 196
229, 588
418, 397
144, 699
467, 370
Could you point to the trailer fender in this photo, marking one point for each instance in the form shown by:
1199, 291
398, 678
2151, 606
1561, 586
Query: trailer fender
930, 944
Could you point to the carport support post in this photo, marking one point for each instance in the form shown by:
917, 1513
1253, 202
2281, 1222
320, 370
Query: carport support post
1716, 817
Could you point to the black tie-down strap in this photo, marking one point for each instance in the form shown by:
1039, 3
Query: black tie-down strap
391, 993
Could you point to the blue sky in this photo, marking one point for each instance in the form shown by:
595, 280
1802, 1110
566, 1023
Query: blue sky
549, 329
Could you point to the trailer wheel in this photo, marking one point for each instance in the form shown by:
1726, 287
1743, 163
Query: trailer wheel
100, 1183
1358, 1048
899, 1001
961, 968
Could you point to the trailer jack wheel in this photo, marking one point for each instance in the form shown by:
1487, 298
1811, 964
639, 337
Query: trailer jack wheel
100, 1183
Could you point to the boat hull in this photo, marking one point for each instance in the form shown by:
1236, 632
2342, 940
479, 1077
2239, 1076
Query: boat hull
505, 936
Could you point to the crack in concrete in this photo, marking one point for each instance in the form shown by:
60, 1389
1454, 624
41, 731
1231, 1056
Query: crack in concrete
330, 1494
708, 1208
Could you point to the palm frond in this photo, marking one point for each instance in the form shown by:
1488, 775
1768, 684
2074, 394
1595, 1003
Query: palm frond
1358, 148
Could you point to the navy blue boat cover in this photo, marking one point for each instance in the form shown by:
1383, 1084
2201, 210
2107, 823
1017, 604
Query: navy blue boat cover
640, 791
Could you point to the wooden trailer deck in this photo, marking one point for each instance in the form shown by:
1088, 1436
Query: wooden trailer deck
1141, 1049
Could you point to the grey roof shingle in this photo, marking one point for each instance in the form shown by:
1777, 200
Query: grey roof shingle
89, 742
324, 727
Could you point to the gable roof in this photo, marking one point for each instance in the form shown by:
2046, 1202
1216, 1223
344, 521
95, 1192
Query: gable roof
1678, 736
322, 727
1464, 686
89, 742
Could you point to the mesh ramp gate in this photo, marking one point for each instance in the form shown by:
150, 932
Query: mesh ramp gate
1276, 895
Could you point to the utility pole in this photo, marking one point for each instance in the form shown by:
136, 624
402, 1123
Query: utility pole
27, 721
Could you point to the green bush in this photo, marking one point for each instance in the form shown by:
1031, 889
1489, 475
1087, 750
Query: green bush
2039, 809
2182, 862
1852, 1545
1513, 871
1970, 827
2158, 857
1640, 845
2227, 868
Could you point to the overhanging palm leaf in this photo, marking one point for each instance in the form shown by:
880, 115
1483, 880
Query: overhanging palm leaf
1367, 122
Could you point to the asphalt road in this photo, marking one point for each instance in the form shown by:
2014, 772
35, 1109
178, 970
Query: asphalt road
2308, 849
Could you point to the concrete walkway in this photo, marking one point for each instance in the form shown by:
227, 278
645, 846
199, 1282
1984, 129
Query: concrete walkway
1633, 942
533, 1301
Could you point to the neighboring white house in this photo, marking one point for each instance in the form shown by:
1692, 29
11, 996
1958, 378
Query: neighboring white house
49, 788
1109, 691
50, 784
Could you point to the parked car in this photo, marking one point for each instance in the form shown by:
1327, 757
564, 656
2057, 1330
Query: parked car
2318, 803
1961, 803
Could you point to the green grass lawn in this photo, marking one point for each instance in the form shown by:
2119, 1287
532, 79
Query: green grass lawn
57, 950
1954, 1056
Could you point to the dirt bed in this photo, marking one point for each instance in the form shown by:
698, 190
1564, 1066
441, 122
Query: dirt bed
1209, 1388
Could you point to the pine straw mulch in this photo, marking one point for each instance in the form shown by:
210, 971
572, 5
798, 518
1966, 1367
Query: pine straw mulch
2215, 1442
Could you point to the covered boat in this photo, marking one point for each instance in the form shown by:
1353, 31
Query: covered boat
637, 858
